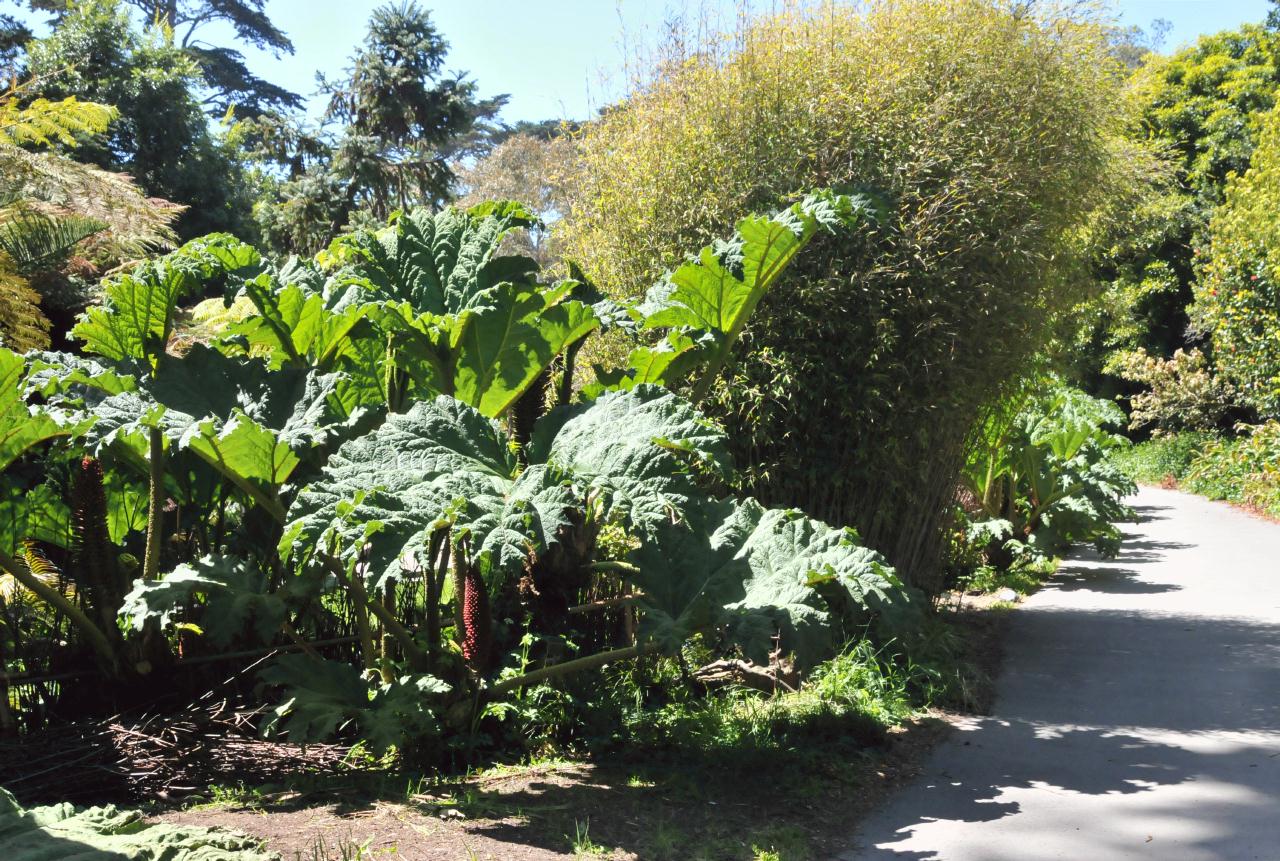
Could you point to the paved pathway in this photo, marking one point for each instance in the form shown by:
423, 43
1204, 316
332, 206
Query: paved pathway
1138, 713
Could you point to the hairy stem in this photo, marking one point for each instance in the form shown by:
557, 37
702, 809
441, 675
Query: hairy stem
613, 567
360, 597
417, 657
437, 570
360, 607
155, 502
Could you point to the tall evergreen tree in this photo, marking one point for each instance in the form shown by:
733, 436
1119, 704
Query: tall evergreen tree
396, 123
404, 116
229, 82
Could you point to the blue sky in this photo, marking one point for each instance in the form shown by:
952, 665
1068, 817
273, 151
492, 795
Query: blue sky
564, 58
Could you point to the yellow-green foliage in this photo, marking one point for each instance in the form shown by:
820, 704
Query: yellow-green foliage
1203, 105
1238, 295
993, 139
44, 123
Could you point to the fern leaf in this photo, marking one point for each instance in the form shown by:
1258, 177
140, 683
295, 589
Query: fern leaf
42, 122
22, 325
34, 240
42, 569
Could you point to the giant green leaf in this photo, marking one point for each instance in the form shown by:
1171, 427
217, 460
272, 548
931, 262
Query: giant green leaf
248, 422
136, 317
442, 462
439, 263
296, 324
763, 577
507, 345
237, 599
324, 698
640, 451
38, 513
257, 459
717, 292
63, 833
21, 426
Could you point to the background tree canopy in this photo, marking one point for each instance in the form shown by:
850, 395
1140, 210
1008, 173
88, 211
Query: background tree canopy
230, 84
1238, 296
1202, 106
402, 121
162, 136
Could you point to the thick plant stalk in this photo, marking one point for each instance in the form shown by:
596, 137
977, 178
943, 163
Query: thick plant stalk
459, 591
95, 566
388, 603
437, 569
360, 606
564, 388
92, 633
155, 504
577, 665
402, 635
8, 725
614, 567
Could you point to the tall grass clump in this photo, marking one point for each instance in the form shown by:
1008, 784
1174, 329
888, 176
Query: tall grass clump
991, 141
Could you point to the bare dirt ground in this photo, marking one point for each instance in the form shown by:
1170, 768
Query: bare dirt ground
563, 810
673, 807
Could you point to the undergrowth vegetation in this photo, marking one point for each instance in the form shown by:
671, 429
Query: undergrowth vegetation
1243, 469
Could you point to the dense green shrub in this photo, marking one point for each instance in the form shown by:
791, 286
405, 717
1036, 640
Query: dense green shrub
1238, 295
989, 139
1162, 459
1245, 469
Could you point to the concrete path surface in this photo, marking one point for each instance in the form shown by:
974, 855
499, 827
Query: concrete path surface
1137, 715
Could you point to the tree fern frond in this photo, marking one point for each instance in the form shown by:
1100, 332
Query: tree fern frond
43, 122
22, 325
136, 223
33, 239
